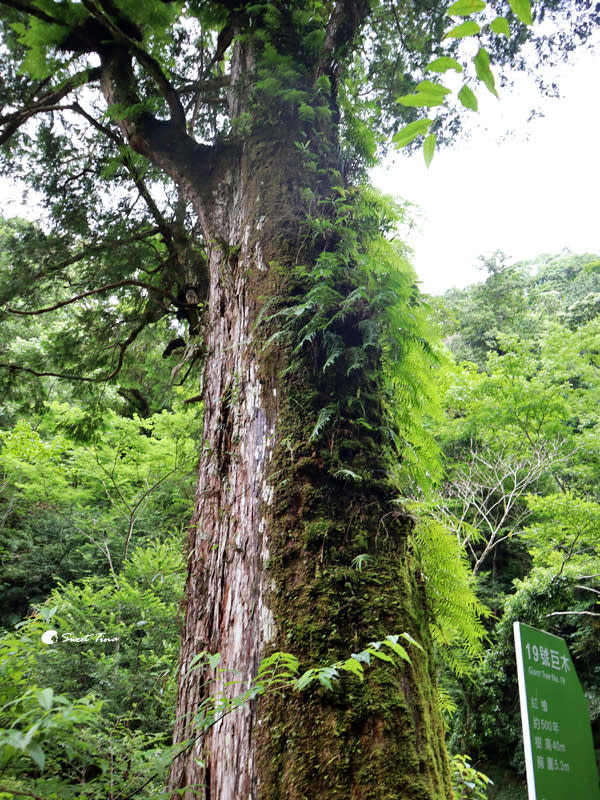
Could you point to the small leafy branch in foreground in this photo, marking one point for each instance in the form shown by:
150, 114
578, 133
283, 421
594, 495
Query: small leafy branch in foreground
281, 671
278, 672
433, 94
467, 782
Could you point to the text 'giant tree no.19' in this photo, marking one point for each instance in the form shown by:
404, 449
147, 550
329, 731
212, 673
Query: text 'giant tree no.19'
213, 154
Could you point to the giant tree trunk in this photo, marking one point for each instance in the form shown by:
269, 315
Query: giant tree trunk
277, 526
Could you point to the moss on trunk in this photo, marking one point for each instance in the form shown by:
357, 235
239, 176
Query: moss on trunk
381, 738
284, 508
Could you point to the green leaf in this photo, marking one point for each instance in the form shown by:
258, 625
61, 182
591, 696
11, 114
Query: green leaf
443, 64
304, 679
36, 752
434, 88
213, 659
359, 561
409, 132
364, 657
347, 473
31, 733
325, 676
429, 148
469, 28
325, 681
464, 8
412, 640
468, 99
383, 656
12, 738
48, 613
306, 113
500, 26
45, 698
422, 100
484, 73
522, 10
428, 94
397, 648
353, 666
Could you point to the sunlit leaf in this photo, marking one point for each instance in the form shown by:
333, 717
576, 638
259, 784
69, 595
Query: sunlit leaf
469, 28
443, 64
45, 698
468, 99
213, 659
464, 8
364, 657
36, 752
383, 656
306, 678
500, 26
410, 132
484, 73
429, 148
422, 100
353, 666
434, 88
522, 10
413, 641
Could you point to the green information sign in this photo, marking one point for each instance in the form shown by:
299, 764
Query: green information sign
559, 752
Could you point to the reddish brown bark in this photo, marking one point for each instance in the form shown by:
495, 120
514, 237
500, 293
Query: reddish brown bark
226, 608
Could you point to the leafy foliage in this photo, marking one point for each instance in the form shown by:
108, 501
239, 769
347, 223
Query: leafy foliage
456, 611
467, 782
72, 509
125, 117
359, 305
115, 651
521, 413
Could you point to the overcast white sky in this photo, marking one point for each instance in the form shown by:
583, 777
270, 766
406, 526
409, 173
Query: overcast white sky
534, 192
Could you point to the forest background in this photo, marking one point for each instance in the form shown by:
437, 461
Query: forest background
96, 487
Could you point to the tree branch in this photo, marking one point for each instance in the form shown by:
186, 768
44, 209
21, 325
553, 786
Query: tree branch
586, 588
147, 318
107, 287
47, 102
572, 613
34, 11
207, 86
145, 59
345, 22
124, 345
20, 793
64, 376
163, 143
127, 160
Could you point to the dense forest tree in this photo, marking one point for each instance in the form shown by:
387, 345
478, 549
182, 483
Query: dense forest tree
204, 161
520, 445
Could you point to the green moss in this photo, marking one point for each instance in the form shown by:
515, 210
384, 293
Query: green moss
334, 500
382, 738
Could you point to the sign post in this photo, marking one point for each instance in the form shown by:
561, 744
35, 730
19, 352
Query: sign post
559, 751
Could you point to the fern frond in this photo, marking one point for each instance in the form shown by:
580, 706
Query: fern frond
457, 613
325, 415
334, 347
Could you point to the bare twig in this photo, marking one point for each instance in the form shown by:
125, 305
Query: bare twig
572, 614
484, 496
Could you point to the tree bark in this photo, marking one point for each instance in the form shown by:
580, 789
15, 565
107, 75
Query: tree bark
227, 609
275, 530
